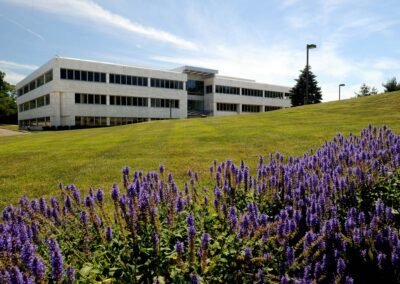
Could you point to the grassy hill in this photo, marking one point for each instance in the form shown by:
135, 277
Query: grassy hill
32, 164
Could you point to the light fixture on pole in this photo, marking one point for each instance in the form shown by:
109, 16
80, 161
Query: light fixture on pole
309, 46
340, 85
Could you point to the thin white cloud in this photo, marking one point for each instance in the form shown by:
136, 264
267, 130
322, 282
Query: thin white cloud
15, 65
24, 28
91, 11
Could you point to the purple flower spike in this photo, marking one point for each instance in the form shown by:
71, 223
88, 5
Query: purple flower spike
56, 261
100, 196
194, 279
70, 272
38, 268
115, 192
109, 234
179, 247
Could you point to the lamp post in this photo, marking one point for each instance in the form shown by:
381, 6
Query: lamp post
309, 46
340, 85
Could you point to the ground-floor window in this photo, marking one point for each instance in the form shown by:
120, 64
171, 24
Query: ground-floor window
126, 120
33, 122
90, 121
251, 108
271, 108
226, 107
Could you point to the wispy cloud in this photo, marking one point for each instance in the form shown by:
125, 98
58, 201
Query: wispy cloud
35, 34
13, 77
91, 11
15, 65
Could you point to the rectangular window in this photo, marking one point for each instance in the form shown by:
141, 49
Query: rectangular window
32, 85
140, 81
123, 79
47, 99
96, 99
129, 80
90, 99
84, 76
118, 100
96, 76
70, 74
77, 75
49, 76
63, 73
112, 78
112, 100
85, 98
90, 76
32, 104
39, 81
134, 81
123, 101
77, 98
103, 77
103, 100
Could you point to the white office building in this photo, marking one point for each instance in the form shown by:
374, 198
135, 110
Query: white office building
83, 93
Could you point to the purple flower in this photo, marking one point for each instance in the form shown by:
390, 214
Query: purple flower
77, 196
27, 254
179, 247
381, 259
247, 253
100, 196
16, 276
340, 267
161, 169
190, 220
115, 192
233, 220
180, 204
56, 261
68, 204
84, 217
205, 240
70, 272
290, 255
194, 279
191, 232
260, 276
38, 268
89, 201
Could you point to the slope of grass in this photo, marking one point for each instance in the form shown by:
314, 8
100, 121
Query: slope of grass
9, 126
32, 164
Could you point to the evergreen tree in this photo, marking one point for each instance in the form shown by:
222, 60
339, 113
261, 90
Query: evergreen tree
297, 94
366, 90
391, 85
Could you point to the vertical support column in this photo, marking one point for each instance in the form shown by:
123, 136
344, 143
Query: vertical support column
239, 108
55, 104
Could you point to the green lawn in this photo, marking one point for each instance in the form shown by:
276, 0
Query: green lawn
32, 164
9, 126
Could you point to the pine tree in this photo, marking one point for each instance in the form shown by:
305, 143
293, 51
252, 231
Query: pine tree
297, 94
366, 90
391, 85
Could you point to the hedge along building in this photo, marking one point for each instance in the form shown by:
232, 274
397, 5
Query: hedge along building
74, 92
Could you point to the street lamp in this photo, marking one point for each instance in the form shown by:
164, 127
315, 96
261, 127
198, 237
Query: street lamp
309, 46
341, 85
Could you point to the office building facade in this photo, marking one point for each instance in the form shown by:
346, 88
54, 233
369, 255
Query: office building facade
83, 93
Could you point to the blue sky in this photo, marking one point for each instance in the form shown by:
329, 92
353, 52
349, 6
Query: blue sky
358, 41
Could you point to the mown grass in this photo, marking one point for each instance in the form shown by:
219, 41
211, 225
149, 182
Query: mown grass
32, 164
9, 126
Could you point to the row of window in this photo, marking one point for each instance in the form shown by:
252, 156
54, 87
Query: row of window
209, 89
39, 81
128, 80
251, 108
36, 103
90, 121
227, 90
165, 103
40, 121
92, 99
272, 94
252, 92
128, 101
226, 107
80, 75
168, 84
271, 108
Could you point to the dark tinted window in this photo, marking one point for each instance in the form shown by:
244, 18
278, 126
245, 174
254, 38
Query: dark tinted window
63, 73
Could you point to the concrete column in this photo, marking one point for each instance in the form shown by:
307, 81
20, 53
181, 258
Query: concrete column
55, 103
108, 121
262, 108
239, 108
108, 100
